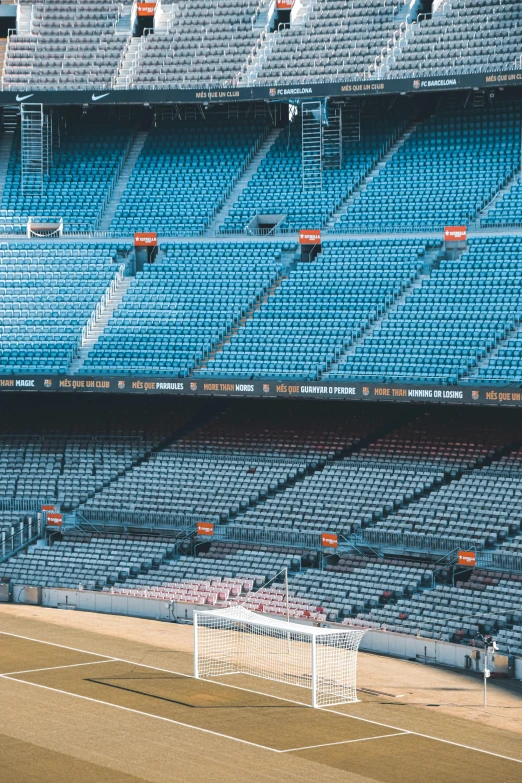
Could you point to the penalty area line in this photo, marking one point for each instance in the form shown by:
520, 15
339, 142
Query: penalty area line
259, 693
140, 712
347, 742
53, 668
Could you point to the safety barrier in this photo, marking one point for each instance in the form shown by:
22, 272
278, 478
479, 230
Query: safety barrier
21, 536
27, 505
417, 541
269, 536
145, 519
500, 561
380, 641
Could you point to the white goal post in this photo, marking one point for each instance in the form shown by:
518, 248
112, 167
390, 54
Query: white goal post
237, 641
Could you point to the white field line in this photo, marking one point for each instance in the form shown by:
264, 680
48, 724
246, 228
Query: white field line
53, 668
138, 712
258, 693
346, 742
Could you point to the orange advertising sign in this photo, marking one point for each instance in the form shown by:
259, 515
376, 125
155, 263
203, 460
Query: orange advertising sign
146, 9
145, 239
285, 5
455, 233
309, 237
54, 520
205, 529
467, 558
329, 540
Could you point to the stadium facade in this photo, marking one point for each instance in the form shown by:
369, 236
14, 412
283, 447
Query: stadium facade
319, 200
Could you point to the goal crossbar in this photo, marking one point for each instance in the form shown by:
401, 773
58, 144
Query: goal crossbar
235, 640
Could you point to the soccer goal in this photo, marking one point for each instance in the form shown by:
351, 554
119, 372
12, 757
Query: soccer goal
237, 641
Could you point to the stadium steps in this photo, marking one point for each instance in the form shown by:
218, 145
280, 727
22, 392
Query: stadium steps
432, 259
404, 417
127, 69
514, 180
123, 25
376, 170
99, 325
244, 319
253, 69
3, 47
403, 33
123, 180
24, 16
243, 181
164, 17
262, 17
451, 477
6, 144
204, 414
482, 363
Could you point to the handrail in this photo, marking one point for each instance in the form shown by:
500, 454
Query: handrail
159, 519
98, 310
19, 539
28, 505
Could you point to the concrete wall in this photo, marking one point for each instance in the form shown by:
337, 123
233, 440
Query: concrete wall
382, 642
423, 650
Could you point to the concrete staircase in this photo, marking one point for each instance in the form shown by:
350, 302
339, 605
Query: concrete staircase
243, 181
128, 64
99, 325
516, 179
128, 168
123, 25
164, 18
6, 144
3, 51
376, 170
432, 259
404, 32
243, 320
300, 12
263, 16
473, 373
24, 19
253, 69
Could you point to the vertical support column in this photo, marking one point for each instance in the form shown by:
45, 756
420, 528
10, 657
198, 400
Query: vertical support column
351, 122
314, 671
333, 138
34, 145
312, 146
196, 664
3, 543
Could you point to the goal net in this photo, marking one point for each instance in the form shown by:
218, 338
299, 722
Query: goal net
237, 641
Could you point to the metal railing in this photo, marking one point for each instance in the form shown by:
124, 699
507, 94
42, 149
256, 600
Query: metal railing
416, 541
27, 505
246, 457
14, 229
145, 519
102, 304
500, 561
268, 536
20, 537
